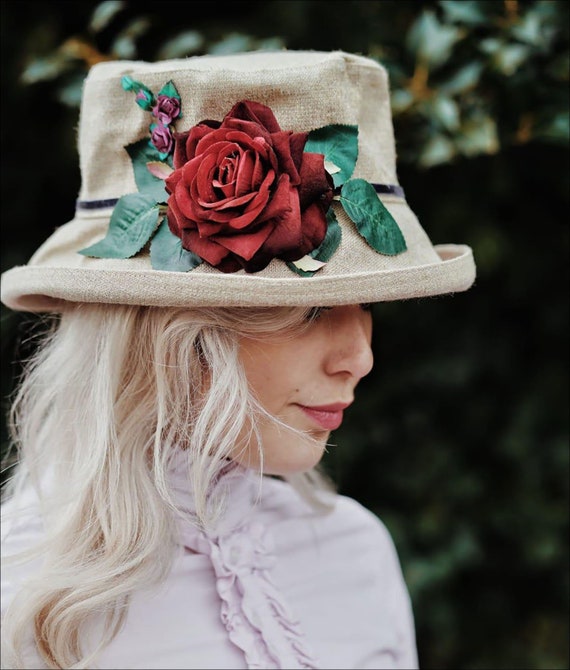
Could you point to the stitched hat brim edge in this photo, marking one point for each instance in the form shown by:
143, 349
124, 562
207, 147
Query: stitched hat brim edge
50, 289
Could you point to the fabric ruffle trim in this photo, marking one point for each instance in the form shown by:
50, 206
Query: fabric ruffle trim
252, 609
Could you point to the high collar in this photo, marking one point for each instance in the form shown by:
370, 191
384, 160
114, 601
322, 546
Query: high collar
239, 489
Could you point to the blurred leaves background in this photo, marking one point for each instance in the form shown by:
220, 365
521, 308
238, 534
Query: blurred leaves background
459, 441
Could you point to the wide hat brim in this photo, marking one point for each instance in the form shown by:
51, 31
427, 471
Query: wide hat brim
58, 275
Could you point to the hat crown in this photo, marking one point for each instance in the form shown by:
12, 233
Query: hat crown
305, 90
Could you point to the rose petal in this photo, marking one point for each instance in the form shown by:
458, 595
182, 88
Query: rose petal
316, 184
159, 169
187, 150
282, 148
171, 181
230, 263
280, 202
176, 220
245, 245
244, 174
287, 235
250, 128
209, 250
248, 110
226, 179
179, 157
313, 226
258, 171
202, 189
233, 202
252, 211
224, 136
237, 219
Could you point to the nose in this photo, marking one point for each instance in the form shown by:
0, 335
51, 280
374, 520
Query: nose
351, 336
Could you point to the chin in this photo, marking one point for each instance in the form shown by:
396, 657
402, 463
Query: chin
284, 453
297, 458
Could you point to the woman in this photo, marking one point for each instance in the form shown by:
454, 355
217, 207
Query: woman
212, 323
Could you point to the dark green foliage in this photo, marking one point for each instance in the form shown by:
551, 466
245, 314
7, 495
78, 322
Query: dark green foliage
371, 217
166, 252
459, 441
133, 222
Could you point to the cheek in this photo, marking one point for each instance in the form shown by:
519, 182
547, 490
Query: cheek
258, 363
273, 372
264, 387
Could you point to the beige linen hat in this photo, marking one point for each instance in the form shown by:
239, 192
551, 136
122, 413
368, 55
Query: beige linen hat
249, 179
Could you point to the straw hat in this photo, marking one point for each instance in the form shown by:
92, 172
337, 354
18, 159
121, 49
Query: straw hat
249, 179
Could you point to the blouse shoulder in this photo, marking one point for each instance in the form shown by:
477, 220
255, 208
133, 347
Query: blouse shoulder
353, 517
345, 517
348, 530
351, 554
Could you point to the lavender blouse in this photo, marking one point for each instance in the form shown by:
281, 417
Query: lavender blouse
278, 585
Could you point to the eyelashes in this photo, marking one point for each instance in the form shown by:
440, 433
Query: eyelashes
316, 312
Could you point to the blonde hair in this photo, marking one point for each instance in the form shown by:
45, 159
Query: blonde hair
106, 401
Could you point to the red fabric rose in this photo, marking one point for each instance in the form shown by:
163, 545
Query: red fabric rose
243, 191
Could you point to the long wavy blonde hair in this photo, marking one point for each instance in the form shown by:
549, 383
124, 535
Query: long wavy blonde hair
107, 399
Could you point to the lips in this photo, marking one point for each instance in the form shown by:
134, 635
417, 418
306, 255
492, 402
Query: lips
328, 417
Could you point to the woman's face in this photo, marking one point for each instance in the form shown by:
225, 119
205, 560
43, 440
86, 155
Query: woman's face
306, 381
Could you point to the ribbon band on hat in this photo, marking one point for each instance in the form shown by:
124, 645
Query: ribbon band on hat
385, 189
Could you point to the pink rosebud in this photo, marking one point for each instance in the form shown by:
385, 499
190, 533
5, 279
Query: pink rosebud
166, 109
162, 139
143, 99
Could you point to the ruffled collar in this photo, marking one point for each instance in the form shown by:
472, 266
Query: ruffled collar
238, 489
242, 551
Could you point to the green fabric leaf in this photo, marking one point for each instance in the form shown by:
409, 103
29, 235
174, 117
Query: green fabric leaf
141, 153
326, 248
146, 98
132, 224
373, 221
332, 239
170, 90
166, 252
339, 145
